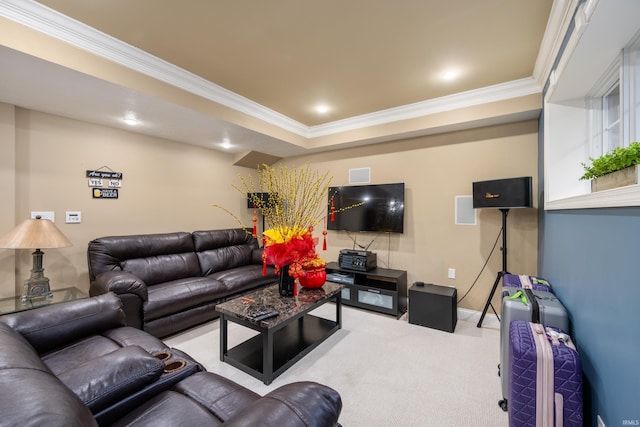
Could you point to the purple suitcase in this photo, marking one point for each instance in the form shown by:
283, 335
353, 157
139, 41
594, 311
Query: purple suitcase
523, 281
546, 377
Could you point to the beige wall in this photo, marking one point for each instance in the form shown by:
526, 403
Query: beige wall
169, 186
7, 195
435, 169
166, 187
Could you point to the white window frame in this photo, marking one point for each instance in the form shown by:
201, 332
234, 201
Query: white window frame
597, 111
584, 73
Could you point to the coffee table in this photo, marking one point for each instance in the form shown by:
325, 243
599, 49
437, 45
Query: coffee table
282, 340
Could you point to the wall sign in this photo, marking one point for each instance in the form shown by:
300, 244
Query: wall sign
97, 182
105, 193
104, 174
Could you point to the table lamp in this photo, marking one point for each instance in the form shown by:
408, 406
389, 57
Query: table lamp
35, 234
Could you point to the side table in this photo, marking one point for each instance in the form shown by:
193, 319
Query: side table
14, 304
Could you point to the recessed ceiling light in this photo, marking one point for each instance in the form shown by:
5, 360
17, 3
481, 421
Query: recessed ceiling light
449, 75
130, 120
226, 144
322, 109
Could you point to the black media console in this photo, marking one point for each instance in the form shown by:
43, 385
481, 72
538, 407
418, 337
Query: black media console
381, 289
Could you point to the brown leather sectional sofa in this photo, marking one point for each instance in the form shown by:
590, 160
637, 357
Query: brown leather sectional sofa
170, 282
77, 364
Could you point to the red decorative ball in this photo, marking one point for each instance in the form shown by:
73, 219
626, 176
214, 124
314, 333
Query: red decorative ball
313, 279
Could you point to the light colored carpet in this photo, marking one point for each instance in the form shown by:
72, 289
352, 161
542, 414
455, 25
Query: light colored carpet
388, 372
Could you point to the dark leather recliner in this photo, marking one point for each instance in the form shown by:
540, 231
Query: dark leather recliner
75, 364
170, 282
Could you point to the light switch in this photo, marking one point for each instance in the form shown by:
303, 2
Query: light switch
74, 217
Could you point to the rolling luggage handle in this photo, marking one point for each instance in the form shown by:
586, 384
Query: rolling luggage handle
535, 307
525, 296
549, 404
527, 282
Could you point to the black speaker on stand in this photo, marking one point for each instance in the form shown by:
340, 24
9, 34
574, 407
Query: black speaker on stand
502, 194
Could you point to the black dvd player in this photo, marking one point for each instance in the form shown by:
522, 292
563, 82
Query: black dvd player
357, 260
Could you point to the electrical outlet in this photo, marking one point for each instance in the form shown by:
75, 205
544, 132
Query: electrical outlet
74, 217
44, 215
452, 273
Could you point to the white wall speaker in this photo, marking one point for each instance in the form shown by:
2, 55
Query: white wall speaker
465, 214
360, 176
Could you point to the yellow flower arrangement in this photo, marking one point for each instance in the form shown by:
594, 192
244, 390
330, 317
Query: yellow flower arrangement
293, 208
295, 204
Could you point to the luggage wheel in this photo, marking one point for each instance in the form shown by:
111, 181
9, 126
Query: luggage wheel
503, 404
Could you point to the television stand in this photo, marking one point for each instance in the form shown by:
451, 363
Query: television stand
382, 289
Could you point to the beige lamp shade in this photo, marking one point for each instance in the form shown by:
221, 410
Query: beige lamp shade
35, 234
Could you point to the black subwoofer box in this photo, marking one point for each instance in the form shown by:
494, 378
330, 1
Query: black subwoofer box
503, 193
433, 306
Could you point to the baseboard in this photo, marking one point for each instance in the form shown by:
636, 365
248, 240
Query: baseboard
490, 320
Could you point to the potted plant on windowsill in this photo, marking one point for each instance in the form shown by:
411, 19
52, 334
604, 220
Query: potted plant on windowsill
615, 169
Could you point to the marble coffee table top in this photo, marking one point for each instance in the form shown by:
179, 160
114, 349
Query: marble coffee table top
268, 298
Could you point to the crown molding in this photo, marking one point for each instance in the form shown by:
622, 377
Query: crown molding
485, 95
52, 23
560, 18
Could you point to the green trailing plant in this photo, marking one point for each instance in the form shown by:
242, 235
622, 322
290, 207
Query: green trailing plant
620, 158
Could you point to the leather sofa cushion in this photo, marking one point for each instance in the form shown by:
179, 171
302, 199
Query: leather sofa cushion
132, 336
222, 249
168, 409
93, 346
26, 382
31, 398
105, 380
221, 396
215, 260
240, 279
55, 325
303, 403
179, 295
68, 357
202, 399
17, 353
163, 268
107, 253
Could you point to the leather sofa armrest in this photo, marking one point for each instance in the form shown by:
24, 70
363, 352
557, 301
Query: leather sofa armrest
296, 404
119, 282
107, 379
54, 326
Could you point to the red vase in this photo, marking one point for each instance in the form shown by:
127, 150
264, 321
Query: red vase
313, 279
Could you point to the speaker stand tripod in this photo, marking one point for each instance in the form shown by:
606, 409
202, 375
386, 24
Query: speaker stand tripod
504, 270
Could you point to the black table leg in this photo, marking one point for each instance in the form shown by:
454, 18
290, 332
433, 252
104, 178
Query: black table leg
267, 356
223, 337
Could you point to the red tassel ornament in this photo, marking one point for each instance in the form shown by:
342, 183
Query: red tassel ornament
255, 220
324, 235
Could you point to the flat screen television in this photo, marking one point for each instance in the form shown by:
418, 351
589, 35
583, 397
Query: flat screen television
382, 209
